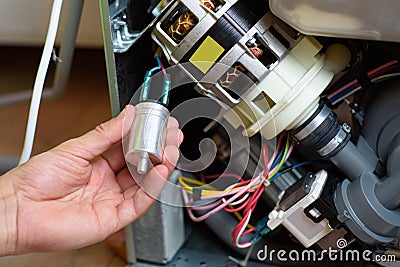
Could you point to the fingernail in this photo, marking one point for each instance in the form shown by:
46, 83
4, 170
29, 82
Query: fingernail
181, 136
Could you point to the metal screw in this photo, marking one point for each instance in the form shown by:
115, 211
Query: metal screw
346, 128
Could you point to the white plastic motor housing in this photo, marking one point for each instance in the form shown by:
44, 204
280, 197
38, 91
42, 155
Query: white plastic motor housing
294, 86
147, 135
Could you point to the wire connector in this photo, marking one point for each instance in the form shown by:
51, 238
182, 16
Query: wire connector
262, 229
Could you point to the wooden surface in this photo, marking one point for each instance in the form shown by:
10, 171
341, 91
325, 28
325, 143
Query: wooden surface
84, 105
94, 256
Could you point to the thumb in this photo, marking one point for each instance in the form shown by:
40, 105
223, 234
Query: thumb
102, 138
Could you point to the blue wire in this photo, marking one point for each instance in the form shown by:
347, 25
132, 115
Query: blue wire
277, 160
262, 229
348, 90
341, 94
150, 72
159, 61
144, 94
393, 69
294, 166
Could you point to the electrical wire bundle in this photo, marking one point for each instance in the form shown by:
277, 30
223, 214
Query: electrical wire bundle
241, 198
380, 74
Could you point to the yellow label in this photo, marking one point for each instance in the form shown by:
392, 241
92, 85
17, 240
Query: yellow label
206, 55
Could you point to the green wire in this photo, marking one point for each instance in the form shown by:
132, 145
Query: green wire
287, 147
383, 79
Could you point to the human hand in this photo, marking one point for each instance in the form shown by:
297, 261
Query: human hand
80, 192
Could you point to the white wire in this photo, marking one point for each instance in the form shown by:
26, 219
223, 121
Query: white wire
347, 95
359, 87
39, 81
246, 244
386, 76
241, 200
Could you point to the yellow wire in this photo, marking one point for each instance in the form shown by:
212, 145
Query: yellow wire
182, 181
282, 160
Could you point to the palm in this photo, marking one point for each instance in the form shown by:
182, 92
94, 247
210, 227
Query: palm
70, 196
56, 201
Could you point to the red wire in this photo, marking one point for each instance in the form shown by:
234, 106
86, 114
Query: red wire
265, 156
248, 231
382, 68
242, 183
257, 195
244, 205
162, 68
371, 73
238, 208
251, 202
250, 206
239, 226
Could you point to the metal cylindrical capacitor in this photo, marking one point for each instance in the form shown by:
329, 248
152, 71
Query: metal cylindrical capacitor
147, 135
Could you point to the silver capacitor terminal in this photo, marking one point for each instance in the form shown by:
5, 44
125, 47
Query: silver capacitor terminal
147, 136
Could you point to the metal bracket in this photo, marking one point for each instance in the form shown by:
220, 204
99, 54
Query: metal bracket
122, 38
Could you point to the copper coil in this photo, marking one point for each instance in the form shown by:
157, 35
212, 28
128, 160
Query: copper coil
232, 74
257, 51
210, 4
178, 30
